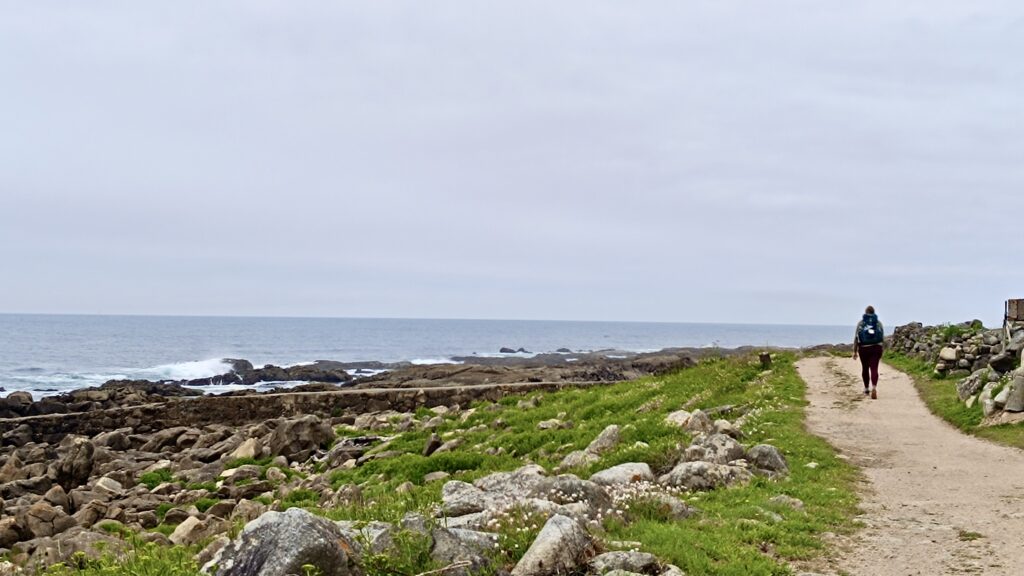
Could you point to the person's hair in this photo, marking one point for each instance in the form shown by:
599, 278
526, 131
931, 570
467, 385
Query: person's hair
869, 310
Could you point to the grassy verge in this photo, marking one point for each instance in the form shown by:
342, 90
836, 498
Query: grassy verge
940, 395
736, 531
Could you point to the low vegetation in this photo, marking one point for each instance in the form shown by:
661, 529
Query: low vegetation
940, 395
736, 531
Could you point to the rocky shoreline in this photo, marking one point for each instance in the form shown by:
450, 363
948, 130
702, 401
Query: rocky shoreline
85, 467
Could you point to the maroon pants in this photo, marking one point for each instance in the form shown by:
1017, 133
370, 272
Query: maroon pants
870, 356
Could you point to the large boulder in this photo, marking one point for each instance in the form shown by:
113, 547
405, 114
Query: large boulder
75, 465
42, 519
569, 489
1003, 362
1015, 395
297, 439
281, 543
562, 546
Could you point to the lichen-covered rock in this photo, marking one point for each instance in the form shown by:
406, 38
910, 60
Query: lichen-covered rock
768, 458
705, 475
636, 562
578, 458
42, 519
281, 543
514, 483
608, 439
627, 473
720, 448
678, 418
460, 498
569, 489
76, 463
700, 423
451, 546
298, 438
560, 548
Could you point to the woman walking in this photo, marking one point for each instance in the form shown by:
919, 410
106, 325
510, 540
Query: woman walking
867, 343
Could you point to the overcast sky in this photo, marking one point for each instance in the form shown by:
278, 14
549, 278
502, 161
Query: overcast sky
780, 162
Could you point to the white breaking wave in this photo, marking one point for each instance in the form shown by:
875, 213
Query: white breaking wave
186, 370
420, 361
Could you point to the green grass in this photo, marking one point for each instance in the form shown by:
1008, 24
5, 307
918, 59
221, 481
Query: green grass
204, 504
155, 478
940, 395
736, 531
140, 560
731, 534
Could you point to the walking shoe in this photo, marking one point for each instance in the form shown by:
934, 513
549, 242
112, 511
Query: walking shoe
874, 394
866, 392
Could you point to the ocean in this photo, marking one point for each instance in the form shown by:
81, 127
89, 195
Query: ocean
49, 354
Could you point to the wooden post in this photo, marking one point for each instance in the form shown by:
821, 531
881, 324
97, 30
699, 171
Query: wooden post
766, 360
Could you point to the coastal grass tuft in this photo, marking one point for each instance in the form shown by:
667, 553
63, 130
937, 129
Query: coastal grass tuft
941, 397
142, 559
156, 477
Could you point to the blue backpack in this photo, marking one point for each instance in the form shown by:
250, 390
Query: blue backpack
870, 331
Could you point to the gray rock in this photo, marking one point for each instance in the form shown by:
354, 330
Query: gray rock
678, 418
11, 532
58, 497
453, 546
435, 476
297, 439
63, 547
207, 554
1015, 395
949, 354
1000, 398
624, 474
514, 483
460, 498
700, 423
635, 562
720, 449
248, 449
787, 501
607, 440
561, 547
42, 519
75, 466
116, 440
193, 530
568, 489
281, 543
578, 458
705, 475
768, 458
433, 443
13, 469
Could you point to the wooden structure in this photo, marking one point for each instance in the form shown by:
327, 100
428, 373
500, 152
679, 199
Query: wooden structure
1015, 310
1012, 316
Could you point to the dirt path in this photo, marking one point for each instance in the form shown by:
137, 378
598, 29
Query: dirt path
935, 501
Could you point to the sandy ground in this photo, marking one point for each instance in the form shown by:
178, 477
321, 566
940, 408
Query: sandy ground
934, 501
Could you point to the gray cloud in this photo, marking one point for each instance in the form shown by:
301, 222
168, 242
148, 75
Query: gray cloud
580, 160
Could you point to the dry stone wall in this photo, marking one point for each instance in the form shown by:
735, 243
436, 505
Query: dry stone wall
986, 362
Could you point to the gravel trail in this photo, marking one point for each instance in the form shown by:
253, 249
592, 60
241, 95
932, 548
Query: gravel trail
935, 501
